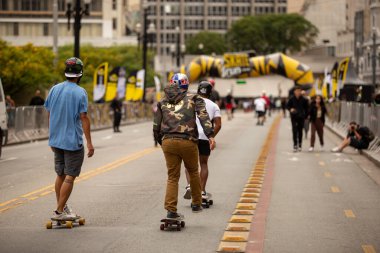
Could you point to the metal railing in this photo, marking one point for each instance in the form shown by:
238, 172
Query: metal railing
28, 123
341, 113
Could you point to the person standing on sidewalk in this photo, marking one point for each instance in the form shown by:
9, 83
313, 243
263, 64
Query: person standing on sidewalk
317, 118
213, 111
299, 108
116, 106
67, 111
175, 129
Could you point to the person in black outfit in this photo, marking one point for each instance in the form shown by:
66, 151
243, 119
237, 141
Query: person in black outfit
37, 99
116, 105
358, 137
317, 114
298, 107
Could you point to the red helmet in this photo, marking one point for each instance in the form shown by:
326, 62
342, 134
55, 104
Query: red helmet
212, 82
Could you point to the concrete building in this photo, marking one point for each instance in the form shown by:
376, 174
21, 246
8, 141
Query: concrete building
193, 16
23, 21
295, 6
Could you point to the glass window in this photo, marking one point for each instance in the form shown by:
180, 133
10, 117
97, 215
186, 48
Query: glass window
114, 4
114, 23
46, 29
15, 29
3, 6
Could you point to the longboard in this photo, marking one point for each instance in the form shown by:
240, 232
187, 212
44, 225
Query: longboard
207, 202
68, 223
169, 224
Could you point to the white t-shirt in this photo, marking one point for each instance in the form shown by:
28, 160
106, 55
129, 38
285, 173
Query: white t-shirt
260, 104
213, 111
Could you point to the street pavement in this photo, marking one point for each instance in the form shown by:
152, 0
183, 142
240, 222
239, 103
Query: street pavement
122, 189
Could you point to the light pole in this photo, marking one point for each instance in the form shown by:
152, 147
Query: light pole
178, 46
358, 47
183, 50
78, 13
146, 30
138, 32
374, 57
200, 47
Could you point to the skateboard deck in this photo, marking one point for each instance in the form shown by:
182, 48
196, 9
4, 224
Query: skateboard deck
66, 223
207, 202
172, 224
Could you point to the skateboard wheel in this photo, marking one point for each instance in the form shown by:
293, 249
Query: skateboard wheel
49, 225
182, 224
69, 224
81, 221
211, 202
162, 227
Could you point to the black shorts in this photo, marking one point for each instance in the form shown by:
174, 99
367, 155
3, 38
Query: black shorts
358, 144
68, 162
204, 147
260, 114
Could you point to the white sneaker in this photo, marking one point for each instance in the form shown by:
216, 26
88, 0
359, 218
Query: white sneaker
187, 194
58, 216
321, 149
311, 149
69, 212
299, 149
336, 150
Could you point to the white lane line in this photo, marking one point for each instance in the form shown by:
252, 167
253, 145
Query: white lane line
8, 159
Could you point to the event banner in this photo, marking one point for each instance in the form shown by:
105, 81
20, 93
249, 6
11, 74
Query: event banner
116, 84
342, 71
235, 64
158, 88
334, 79
139, 91
131, 86
100, 82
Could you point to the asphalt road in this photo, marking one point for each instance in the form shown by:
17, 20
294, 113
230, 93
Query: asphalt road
122, 190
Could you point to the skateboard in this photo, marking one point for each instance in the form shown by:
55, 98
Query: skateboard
207, 202
169, 224
68, 223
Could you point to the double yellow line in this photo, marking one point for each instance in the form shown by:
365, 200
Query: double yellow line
30, 196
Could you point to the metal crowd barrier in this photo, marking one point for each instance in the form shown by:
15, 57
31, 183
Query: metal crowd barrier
28, 123
341, 113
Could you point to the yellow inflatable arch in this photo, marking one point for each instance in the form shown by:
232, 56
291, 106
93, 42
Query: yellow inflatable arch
277, 63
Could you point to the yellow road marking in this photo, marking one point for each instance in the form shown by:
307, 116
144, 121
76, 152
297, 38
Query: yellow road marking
50, 188
349, 214
368, 249
328, 174
335, 189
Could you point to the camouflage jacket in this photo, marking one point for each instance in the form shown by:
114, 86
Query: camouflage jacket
176, 116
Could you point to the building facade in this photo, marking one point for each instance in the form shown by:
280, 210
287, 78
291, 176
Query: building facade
193, 16
24, 21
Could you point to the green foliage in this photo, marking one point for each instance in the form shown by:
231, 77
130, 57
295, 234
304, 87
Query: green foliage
212, 43
272, 33
27, 68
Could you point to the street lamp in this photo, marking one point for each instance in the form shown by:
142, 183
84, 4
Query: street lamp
78, 13
358, 47
178, 45
200, 47
374, 56
183, 50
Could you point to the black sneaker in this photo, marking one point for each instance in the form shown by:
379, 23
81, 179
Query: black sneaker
196, 208
173, 215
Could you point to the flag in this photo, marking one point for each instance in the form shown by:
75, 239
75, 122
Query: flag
116, 84
158, 88
131, 86
100, 82
342, 71
334, 79
139, 92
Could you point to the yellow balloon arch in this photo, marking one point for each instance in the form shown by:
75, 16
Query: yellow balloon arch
277, 63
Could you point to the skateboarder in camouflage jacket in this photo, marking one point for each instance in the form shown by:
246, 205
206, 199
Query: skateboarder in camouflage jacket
175, 129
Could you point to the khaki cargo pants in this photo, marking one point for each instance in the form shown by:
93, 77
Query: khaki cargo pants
176, 150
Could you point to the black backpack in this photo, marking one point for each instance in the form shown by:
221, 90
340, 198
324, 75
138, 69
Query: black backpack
368, 134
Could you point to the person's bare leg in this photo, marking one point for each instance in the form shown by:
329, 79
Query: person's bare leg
345, 143
204, 171
58, 185
65, 192
187, 176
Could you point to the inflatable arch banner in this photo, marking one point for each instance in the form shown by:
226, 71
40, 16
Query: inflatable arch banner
240, 65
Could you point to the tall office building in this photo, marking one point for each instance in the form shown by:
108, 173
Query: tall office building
193, 16
23, 21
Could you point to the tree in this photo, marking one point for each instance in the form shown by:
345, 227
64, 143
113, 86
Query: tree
272, 33
212, 43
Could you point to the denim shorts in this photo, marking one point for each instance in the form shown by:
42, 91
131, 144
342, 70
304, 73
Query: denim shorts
68, 162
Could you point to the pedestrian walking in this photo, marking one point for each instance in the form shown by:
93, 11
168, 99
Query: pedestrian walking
214, 97
37, 100
298, 107
10, 106
116, 106
229, 105
260, 104
306, 125
317, 115
283, 106
67, 111
213, 111
175, 129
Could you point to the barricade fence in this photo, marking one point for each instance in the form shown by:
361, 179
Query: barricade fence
28, 123
341, 113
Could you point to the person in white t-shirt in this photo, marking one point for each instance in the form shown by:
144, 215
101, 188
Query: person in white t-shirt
204, 90
260, 104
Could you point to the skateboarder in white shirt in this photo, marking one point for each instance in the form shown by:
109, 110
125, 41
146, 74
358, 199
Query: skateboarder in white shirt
260, 110
204, 90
